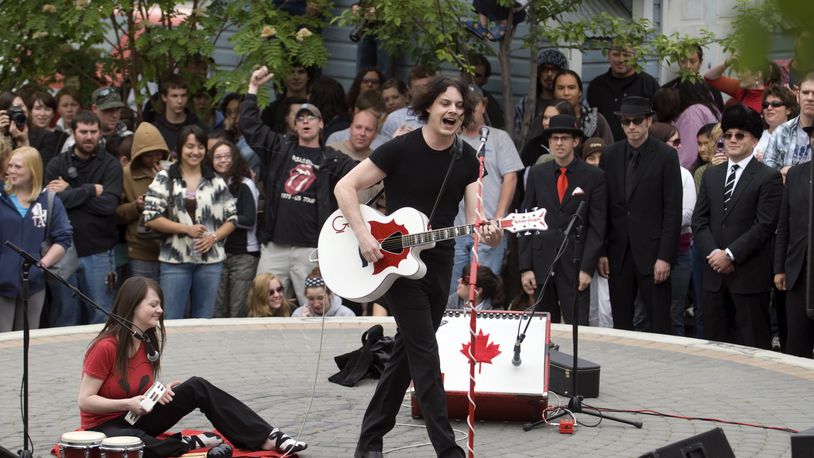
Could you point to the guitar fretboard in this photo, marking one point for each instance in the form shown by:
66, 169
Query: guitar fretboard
425, 238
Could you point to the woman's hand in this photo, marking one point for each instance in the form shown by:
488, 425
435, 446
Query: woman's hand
205, 243
134, 405
196, 230
169, 394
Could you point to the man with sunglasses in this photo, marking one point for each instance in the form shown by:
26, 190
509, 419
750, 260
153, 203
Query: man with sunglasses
299, 175
733, 224
789, 143
644, 219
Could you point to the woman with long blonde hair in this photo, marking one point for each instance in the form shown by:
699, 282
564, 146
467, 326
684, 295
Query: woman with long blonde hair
267, 297
24, 216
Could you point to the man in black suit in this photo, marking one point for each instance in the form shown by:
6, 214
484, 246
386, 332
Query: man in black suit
790, 252
733, 223
559, 186
644, 218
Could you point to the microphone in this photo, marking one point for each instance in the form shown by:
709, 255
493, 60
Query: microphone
484, 134
152, 353
516, 359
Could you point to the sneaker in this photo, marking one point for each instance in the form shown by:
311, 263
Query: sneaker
220, 451
285, 443
776, 343
203, 440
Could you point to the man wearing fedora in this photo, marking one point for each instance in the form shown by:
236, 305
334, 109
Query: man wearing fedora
559, 186
733, 223
644, 218
790, 253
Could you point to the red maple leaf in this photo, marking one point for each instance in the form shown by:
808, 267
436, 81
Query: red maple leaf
484, 350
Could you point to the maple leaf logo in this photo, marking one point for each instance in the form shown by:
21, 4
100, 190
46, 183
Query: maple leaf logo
484, 350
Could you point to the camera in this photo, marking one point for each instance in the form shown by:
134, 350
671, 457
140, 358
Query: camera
16, 115
357, 33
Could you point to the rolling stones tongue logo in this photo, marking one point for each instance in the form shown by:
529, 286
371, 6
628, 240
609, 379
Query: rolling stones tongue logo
300, 178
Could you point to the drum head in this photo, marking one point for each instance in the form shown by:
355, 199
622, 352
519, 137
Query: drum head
121, 442
82, 438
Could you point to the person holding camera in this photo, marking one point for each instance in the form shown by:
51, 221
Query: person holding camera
13, 120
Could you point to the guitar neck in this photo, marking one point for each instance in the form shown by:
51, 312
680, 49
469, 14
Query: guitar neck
438, 235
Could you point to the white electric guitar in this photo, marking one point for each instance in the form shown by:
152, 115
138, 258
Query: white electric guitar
402, 236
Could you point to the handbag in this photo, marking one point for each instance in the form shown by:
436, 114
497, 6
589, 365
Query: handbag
66, 266
144, 232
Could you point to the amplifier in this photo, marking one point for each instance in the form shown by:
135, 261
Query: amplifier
502, 391
802, 444
562, 370
711, 444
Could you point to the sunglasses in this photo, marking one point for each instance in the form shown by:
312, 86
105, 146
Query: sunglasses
371, 80
736, 135
775, 104
308, 117
278, 290
104, 92
636, 121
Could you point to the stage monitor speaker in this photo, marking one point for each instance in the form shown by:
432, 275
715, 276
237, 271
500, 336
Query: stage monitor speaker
6, 454
711, 444
802, 444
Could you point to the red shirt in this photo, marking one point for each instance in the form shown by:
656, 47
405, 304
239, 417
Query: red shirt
752, 98
100, 362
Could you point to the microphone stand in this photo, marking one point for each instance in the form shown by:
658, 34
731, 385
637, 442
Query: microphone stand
575, 404
26, 268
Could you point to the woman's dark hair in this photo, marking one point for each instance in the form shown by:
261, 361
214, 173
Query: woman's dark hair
239, 167
786, 95
68, 91
562, 106
696, 92
772, 76
186, 131
706, 129
44, 97
282, 112
437, 86
356, 86
662, 131
489, 282
667, 104
129, 296
6, 99
228, 98
327, 94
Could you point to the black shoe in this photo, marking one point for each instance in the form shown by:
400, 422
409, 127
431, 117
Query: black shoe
368, 454
220, 451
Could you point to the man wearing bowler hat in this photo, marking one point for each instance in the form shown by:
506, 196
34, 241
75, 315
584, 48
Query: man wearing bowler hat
644, 218
559, 186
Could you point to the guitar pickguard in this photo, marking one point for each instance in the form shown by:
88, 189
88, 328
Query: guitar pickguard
392, 250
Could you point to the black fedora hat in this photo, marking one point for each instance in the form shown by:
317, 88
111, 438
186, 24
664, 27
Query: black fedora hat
563, 123
633, 105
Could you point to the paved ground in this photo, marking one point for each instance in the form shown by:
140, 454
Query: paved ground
270, 364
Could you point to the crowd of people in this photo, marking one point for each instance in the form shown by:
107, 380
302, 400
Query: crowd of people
222, 203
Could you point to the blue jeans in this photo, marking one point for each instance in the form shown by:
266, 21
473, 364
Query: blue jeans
487, 256
680, 281
90, 277
149, 269
193, 283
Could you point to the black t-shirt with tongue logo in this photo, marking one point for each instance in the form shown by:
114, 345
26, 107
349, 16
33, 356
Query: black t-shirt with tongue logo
297, 222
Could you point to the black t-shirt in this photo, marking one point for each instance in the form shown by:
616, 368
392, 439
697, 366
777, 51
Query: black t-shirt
297, 222
415, 173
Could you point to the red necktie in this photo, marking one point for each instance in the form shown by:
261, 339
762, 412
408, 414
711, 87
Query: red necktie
562, 183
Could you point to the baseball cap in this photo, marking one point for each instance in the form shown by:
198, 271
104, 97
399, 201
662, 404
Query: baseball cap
106, 98
310, 109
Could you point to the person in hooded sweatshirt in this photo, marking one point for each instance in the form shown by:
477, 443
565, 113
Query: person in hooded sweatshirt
149, 148
320, 300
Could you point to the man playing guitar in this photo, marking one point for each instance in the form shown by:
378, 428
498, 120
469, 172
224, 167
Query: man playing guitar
414, 167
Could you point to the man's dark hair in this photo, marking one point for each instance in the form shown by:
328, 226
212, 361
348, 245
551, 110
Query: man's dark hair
480, 59
228, 98
173, 82
419, 72
220, 134
700, 52
84, 117
370, 100
328, 95
566, 71
438, 86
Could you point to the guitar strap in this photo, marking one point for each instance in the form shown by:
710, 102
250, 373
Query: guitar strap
457, 150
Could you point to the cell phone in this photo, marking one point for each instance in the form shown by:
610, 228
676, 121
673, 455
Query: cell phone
719, 146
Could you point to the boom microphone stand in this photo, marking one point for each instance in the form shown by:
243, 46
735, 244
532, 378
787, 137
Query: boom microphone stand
28, 262
575, 404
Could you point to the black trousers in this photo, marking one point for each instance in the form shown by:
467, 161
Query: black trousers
800, 328
417, 306
559, 296
623, 289
737, 318
236, 421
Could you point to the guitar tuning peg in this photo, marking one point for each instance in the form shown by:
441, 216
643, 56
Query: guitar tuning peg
534, 209
527, 233
538, 232
518, 235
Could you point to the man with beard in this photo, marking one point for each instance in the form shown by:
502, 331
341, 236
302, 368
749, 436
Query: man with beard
107, 106
298, 176
89, 182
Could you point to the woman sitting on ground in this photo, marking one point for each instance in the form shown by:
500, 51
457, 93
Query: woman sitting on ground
319, 297
117, 371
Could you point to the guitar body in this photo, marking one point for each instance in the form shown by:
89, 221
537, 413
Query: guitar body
345, 271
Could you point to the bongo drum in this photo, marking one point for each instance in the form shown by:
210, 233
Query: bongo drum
80, 444
122, 447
